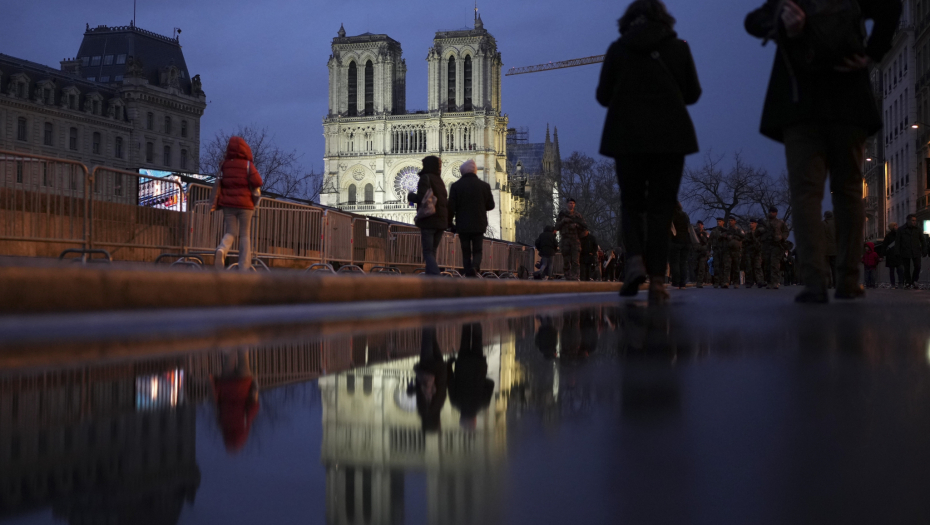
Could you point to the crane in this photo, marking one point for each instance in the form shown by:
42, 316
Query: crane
555, 65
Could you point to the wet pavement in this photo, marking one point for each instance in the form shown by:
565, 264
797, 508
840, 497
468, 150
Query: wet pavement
728, 406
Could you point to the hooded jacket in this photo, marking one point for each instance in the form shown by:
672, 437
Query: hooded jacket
239, 176
823, 97
871, 258
647, 80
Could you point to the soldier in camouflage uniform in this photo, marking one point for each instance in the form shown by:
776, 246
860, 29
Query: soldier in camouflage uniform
701, 251
752, 255
719, 242
735, 235
774, 236
570, 224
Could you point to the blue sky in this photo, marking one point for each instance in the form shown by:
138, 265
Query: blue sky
264, 63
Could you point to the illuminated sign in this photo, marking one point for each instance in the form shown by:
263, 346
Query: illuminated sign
160, 191
165, 390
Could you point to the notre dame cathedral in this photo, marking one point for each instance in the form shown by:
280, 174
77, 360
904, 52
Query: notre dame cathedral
374, 145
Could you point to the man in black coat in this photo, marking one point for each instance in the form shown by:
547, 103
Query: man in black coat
822, 108
546, 246
470, 390
470, 200
910, 248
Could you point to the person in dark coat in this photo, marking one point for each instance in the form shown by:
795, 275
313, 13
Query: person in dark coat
588, 256
470, 390
432, 227
823, 110
911, 247
680, 247
470, 200
546, 246
829, 245
647, 80
431, 382
889, 250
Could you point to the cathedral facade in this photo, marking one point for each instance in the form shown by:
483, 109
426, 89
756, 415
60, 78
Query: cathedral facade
374, 145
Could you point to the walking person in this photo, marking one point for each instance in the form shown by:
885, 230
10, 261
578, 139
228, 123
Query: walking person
432, 225
870, 262
647, 80
829, 245
236, 193
911, 247
470, 200
752, 255
546, 247
570, 224
821, 106
588, 256
680, 247
735, 234
889, 250
702, 250
774, 235
720, 243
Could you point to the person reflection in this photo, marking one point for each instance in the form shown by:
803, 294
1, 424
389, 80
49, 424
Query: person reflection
547, 337
470, 390
235, 391
649, 382
432, 375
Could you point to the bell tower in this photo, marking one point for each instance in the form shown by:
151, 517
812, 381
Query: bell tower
367, 76
465, 71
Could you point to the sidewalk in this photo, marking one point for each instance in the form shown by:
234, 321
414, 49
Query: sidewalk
41, 286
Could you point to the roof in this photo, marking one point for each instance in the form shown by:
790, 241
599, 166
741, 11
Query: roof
154, 51
10, 65
530, 155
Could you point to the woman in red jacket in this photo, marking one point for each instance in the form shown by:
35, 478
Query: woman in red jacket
238, 179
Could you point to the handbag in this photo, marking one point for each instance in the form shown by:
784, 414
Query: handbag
427, 206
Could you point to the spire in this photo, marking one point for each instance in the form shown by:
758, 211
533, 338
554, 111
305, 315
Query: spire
547, 133
342, 31
558, 155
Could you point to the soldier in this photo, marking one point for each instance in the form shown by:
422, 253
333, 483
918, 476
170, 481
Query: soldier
774, 235
735, 235
701, 251
719, 242
752, 255
570, 224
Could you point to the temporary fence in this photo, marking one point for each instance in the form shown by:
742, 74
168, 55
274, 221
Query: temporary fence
119, 222
405, 246
287, 230
370, 243
337, 237
43, 199
558, 265
497, 255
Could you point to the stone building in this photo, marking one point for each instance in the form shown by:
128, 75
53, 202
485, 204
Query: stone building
374, 145
126, 101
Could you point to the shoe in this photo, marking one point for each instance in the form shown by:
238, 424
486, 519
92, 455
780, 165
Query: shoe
716, 286
812, 296
762, 285
724, 285
219, 260
854, 292
658, 295
635, 276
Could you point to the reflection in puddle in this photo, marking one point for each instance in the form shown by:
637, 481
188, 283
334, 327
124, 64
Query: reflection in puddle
482, 420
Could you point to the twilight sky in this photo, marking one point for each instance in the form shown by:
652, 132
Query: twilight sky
264, 63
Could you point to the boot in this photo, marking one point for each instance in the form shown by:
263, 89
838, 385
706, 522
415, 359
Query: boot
635, 275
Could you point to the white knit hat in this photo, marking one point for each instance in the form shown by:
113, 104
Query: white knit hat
468, 166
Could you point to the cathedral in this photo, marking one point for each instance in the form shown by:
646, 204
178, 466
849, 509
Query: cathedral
374, 145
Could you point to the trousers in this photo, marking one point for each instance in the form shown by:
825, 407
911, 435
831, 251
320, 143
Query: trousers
472, 250
430, 239
236, 222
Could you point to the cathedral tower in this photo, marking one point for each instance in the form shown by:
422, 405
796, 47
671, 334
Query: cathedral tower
465, 71
367, 76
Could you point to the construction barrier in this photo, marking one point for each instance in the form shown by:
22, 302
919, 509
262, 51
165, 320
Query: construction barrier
287, 230
337, 237
43, 199
370, 243
558, 266
405, 248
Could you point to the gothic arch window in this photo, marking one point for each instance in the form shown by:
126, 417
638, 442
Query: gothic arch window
468, 83
353, 89
450, 75
369, 88
369, 194
352, 196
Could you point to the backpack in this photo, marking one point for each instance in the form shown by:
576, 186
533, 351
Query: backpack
833, 30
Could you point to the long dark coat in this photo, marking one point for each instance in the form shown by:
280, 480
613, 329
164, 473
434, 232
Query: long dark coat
440, 219
910, 242
823, 97
891, 256
470, 200
647, 79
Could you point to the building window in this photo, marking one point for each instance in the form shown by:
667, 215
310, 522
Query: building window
167, 156
72, 139
467, 86
72, 102
95, 61
47, 134
118, 78
105, 79
95, 105
369, 88
21, 90
95, 147
21, 128
352, 196
353, 90
167, 125
369, 194
149, 120
91, 79
184, 128
120, 59
108, 60
451, 79
183, 160
85, 61
118, 147
149, 151
47, 96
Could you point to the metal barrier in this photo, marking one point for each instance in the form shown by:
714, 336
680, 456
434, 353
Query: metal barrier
370, 242
337, 237
406, 249
497, 255
558, 265
286, 230
449, 253
118, 222
43, 199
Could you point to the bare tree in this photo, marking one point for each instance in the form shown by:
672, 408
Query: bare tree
709, 190
281, 171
